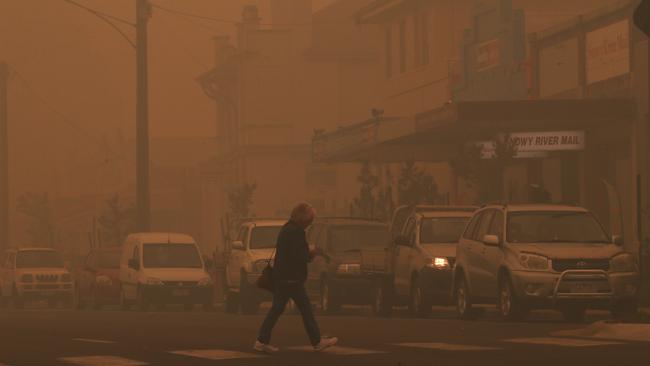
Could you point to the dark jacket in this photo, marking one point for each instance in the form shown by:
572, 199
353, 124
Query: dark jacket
292, 254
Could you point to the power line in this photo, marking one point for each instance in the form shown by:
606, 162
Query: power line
107, 19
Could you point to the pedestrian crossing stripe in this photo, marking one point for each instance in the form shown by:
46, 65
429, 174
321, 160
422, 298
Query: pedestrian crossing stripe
565, 342
101, 361
446, 346
88, 340
216, 354
337, 350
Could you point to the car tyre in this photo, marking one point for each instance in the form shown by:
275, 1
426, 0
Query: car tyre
510, 307
249, 305
574, 313
124, 303
327, 299
464, 306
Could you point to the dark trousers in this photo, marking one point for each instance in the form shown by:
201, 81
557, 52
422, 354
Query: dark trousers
284, 292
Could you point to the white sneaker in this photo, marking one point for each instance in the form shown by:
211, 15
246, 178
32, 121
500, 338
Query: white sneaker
326, 343
265, 348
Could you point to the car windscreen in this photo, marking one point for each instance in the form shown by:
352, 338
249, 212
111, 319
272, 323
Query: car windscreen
357, 237
171, 256
442, 229
554, 227
38, 259
263, 237
109, 260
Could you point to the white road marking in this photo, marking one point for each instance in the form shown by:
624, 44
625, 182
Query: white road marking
88, 340
102, 361
564, 342
339, 351
446, 346
216, 354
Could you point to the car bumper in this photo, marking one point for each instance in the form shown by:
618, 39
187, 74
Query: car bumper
37, 291
436, 284
352, 289
591, 287
177, 295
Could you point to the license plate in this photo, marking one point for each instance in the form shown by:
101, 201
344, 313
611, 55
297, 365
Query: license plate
181, 292
584, 288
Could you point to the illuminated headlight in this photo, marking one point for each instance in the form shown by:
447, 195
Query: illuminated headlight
439, 263
349, 268
104, 280
258, 266
622, 263
534, 262
205, 281
27, 278
152, 281
66, 277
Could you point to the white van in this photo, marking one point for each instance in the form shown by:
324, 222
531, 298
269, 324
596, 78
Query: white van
163, 268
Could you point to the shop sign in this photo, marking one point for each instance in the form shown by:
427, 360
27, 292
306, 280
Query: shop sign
538, 144
558, 67
344, 141
488, 54
608, 52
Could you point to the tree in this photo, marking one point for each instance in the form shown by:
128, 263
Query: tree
116, 221
241, 200
416, 186
36, 207
364, 204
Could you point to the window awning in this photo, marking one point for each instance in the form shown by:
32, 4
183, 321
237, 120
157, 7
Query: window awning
435, 135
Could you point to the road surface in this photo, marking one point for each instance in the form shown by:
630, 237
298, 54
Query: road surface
174, 337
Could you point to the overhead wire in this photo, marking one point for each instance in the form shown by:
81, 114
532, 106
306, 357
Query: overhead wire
107, 18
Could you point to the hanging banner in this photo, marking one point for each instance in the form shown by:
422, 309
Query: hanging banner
608, 52
538, 144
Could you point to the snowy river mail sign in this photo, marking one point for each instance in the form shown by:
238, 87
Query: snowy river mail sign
549, 141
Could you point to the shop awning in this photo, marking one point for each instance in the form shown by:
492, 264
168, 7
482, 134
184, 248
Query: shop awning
435, 135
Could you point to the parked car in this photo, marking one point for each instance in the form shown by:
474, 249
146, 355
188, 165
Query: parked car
402, 213
335, 277
98, 279
30, 274
523, 257
422, 259
163, 268
248, 255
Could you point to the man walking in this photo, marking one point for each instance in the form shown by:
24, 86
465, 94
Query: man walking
289, 276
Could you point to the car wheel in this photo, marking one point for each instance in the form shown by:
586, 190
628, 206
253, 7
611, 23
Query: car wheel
625, 310
124, 304
96, 303
574, 313
232, 302
510, 308
249, 305
327, 301
464, 306
142, 301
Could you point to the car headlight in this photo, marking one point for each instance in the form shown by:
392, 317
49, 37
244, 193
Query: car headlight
349, 268
258, 266
623, 262
66, 277
27, 278
104, 280
205, 281
534, 262
438, 263
152, 281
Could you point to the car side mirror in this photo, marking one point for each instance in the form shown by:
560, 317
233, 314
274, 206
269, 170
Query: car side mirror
237, 245
491, 240
617, 239
134, 264
402, 240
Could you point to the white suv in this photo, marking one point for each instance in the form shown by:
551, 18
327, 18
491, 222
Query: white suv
35, 274
248, 255
522, 257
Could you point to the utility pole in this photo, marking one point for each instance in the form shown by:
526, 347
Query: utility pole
143, 194
4, 158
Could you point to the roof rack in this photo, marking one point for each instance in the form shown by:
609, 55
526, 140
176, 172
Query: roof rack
349, 218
